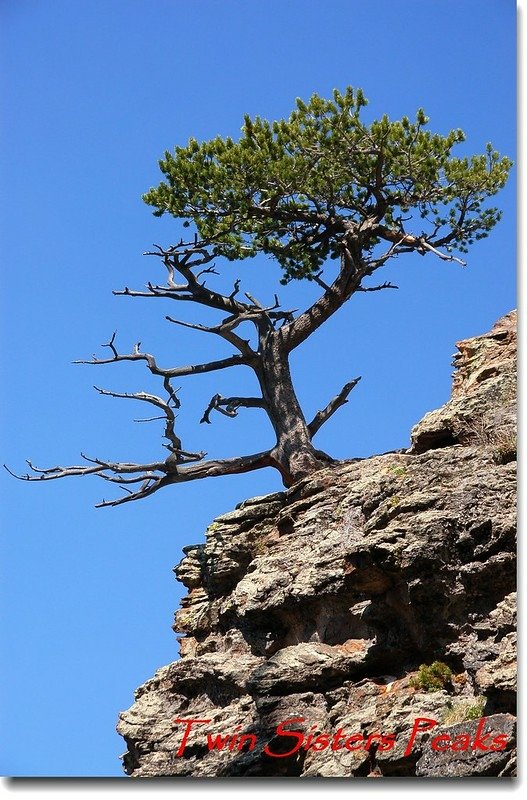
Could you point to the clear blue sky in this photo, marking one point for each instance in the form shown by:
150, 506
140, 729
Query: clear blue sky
93, 92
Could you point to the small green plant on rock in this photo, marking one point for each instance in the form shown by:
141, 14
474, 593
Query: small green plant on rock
398, 471
476, 711
432, 678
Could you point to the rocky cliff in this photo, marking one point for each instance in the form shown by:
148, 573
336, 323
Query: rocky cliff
374, 594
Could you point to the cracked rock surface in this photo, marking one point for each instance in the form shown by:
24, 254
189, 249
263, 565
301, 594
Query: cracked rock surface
320, 603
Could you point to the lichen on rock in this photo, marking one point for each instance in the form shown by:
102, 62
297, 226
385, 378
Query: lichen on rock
321, 602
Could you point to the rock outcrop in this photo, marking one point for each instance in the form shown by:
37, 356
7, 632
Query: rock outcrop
320, 604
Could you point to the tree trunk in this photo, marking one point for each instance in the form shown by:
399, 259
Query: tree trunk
293, 452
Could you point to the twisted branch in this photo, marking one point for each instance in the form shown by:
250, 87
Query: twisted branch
176, 372
148, 474
169, 416
229, 405
179, 258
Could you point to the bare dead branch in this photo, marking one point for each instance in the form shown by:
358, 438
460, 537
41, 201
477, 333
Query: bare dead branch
169, 416
196, 293
144, 396
205, 469
257, 306
184, 258
443, 256
193, 326
229, 406
184, 456
52, 473
256, 303
148, 474
172, 393
155, 291
236, 289
207, 271
176, 372
415, 243
110, 344
385, 285
148, 487
318, 279
122, 481
322, 416
225, 331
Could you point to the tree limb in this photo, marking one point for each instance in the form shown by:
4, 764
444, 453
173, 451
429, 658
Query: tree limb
52, 473
443, 256
147, 474
352, 270
149, 486
224, 330
417, 243
229, 405
322, 416
177, 259
183, 258
385, 285
169, 416
176, 372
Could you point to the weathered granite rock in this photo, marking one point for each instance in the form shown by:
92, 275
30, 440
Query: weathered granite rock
470, 762
488, 651
318, 605
483, 404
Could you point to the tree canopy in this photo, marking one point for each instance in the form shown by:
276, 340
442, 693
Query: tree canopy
294, 189
320, 186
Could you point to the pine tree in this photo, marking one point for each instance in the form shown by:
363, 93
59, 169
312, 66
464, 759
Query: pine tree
321, 192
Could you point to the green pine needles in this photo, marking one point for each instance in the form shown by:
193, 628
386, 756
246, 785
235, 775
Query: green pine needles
293, 188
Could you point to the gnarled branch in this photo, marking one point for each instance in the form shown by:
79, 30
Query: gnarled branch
411, 243
179, 259
153, 476
176, 372
168, 411
224, 330
229, 405
183, 258
99, 468
352, 271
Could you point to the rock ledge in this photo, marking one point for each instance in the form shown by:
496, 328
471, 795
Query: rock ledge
321, 603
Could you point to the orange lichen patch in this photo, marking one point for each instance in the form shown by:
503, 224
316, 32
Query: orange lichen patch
353, 645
